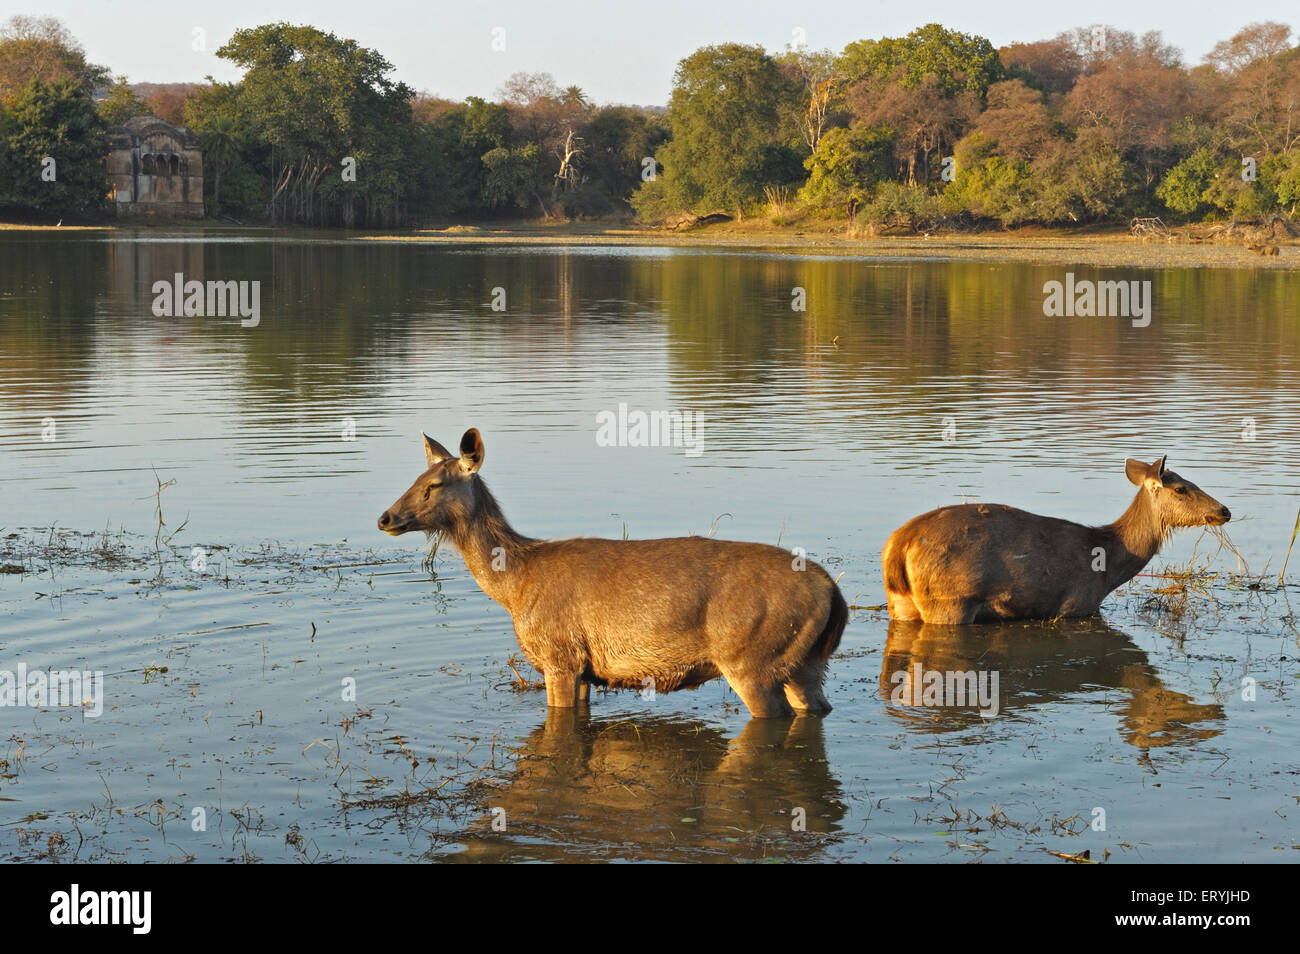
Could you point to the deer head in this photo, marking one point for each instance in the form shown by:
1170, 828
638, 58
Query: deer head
443, 496
1175, 502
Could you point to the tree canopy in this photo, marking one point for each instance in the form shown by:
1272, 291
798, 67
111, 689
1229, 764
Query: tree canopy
729, 115
1093, 124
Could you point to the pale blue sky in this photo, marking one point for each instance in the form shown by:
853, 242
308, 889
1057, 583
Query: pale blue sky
616, 52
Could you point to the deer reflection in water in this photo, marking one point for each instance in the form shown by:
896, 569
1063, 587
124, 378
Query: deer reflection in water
1037, 664
667, 789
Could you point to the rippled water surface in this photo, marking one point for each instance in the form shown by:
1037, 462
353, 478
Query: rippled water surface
228, 731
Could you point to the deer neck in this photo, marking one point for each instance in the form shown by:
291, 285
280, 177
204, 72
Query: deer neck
1132, 540
494, 552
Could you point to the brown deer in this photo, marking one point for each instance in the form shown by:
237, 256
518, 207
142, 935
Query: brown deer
975, 563
1263, 249
658, 614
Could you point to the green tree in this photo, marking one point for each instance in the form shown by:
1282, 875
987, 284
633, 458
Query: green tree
957, 61
1183, 188
236, 158
51, 136
846, 166
462, 135
895, 205
994, 187
221, 148
729, 141
54, 122
1082, 180
121, 103
1287, 187
319, 101
620, 139
928, 86
516, 177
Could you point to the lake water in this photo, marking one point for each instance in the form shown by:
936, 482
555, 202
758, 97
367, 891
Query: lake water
231, 637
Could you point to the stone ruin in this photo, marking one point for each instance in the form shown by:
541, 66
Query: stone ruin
154, 168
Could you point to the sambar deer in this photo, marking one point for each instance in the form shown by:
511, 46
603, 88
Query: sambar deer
975, 563
665, 614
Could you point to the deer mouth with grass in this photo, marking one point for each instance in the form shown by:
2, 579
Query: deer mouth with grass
975, 563
643, 614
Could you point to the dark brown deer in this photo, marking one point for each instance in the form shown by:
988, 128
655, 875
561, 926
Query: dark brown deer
659, 614
975, 563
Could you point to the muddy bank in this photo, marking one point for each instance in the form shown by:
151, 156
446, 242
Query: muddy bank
1093, 247
1115, 248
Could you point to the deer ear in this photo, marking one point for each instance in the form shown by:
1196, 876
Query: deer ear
434, 453
471, 451
1136, 471
1158, 468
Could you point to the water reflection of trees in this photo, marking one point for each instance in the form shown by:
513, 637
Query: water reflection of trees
662, 789
908, 322
1044, 664
341, 314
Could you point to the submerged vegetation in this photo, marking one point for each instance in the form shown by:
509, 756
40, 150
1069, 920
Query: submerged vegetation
1184, 596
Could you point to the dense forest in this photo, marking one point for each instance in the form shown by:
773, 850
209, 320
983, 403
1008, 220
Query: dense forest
935, 127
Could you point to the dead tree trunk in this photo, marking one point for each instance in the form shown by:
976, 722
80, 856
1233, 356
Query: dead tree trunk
568, 165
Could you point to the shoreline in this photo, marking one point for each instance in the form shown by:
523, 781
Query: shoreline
1113, 247
1082, 250
1096, 248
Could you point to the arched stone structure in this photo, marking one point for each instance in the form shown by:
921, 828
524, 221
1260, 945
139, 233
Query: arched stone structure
154, 168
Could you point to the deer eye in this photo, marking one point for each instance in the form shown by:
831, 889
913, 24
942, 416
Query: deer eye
1181, 490
428, 489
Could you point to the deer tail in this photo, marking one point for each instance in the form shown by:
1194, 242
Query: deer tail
829, 640
894, 564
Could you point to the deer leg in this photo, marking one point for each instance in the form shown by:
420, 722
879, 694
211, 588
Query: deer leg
763, 702
561, 689
902, 606
950, 611
584, 690
804, 689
